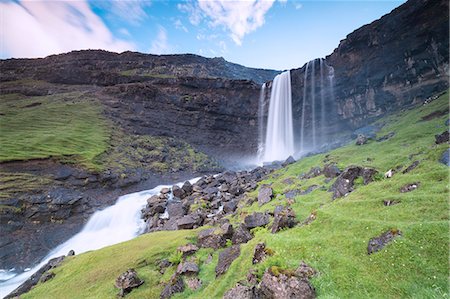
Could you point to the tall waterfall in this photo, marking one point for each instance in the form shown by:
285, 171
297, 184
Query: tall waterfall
261, 109
117, 223
279, 143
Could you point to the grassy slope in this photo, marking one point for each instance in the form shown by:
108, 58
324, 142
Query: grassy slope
415, 265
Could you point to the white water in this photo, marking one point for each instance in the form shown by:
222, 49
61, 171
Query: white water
279, 143
261, 108
118, 223
302, 120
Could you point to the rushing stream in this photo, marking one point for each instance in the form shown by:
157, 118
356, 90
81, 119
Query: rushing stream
117, 223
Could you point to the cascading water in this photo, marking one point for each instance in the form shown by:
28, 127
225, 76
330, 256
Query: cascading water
118, 223
279, 143
302, 123
261, 108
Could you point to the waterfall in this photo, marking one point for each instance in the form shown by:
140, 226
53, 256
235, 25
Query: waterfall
302, 124
322, 103
117, 223
261, 108
279, 143
313, 103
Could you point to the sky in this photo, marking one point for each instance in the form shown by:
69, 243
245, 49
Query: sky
275, 34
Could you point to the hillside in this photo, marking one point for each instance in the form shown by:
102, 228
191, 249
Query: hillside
335, 239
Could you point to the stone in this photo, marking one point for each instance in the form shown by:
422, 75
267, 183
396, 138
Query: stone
344, 183
309, 189
256, 219
71, 253
283, 287
227, 230
193, 283
386, 137
187, 268
163, 265
284, 219
211, 238
292, 193
265, 194
187, 188
409, 187
312, 173
128, 281
411, 167
175, 209
188, 249
259, 253
187, 222
288, 161
378, 243
361, 139
441, 138
46, 276
310, 219
390, 202
226, 257
175, 285
331, 171
241, 235
445, 158
368, 131
230, 206
165, 190
241, 292
305, 271
178, 192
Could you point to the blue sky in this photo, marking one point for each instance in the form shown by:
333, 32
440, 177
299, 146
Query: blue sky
278, 34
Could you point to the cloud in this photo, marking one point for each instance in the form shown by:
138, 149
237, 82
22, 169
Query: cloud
37, 29
161, 45
298, 6
131, 11
238, 18
179, 25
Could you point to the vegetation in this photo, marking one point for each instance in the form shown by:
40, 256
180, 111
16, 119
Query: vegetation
414, 265
143, 73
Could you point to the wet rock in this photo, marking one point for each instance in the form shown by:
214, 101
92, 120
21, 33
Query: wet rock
259, 253
331, 171
411, 167
409, 187
378, 243
46, 276
390, 202
176, 209
265, 194
128, 281
187, 268
226, 257
284, 286
187, 188
441, 138
193, 283
256, 219
445, 158
165, 190
361, 139
288, 161
211, 238
344, 183
175, 285
284, 219
188, 249
386, 137
312, 173
178, 192
63, 196
241, 235
241, 292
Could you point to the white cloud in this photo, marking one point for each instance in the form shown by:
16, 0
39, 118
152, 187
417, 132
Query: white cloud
132, 11
180, 26
239, 18
298, 6
161, 44
223, 47
41, 28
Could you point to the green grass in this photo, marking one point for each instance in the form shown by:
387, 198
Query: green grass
415, 265
66, 125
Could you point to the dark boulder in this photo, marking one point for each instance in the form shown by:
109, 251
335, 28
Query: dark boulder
188, 222
241, 292
441, 138
241, 235
265, 194
361, 139
285, 286
386, 137
256, 219
284, 219
226, 257
47, 276
163, 265
411, 167
188, 249
175, 285
187, 188
259, 253
288, 161
227, 230
178, 192
331, 171
230, 206
128, 281
312, 173
378, 243
409, 187
187, 268
211, 238
390, 202
445, 158
345, 181
176, 209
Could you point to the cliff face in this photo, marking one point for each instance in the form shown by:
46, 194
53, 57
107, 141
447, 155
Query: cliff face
398, 60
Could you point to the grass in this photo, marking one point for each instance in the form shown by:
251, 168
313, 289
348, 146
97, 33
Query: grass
66, 125
414, 265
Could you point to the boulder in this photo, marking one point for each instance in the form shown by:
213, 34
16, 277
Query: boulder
344, 183
187, 268
390, 202
241, 235
361, 139
227, 230
226, 257
411, 167
193, 283
284, 286
241, 292
46, 276
178, 192
187, 188
187, 222
386, 137
288, 161
441, 138
265, 194
188, 249
378, 243
229, 206
163, 265
211, 238
312, 173
331, 170
256, 219
284, 219
165, 190
176, 209
175, 285
305, 271
409, 187
128, 281
445, 158
259, 253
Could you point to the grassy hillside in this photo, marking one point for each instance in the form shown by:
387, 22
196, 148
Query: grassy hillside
415, 265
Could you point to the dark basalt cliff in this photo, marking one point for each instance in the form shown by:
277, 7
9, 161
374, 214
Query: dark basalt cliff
394, 62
